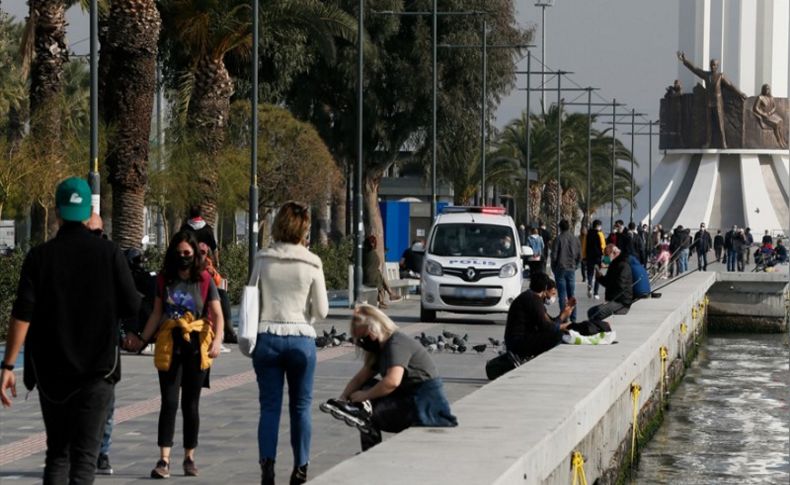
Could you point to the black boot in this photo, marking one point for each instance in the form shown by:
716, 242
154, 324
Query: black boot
267, 471
299, 475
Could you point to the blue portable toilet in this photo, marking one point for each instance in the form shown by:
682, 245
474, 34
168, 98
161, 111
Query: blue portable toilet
395, 218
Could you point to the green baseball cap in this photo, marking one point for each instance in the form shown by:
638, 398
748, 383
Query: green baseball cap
73, 199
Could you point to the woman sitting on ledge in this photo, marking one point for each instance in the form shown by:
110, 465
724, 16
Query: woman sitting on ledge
410, 392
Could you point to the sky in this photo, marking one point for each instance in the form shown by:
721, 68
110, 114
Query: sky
624, 47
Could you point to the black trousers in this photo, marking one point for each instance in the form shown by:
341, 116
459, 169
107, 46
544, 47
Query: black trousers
74, 431
184, 374
392, 413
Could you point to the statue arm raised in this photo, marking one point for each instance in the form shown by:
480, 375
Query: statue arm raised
691, 67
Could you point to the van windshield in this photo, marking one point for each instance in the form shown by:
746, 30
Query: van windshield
482, 240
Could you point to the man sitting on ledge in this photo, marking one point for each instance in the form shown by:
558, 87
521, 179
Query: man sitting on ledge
618, 282
530, 330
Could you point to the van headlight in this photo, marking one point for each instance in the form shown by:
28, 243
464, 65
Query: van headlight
509, 270
433, 268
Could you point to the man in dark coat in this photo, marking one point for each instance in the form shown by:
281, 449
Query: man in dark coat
702, 244
618, 282
718, 244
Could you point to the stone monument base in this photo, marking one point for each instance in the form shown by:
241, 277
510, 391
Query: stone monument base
748, 188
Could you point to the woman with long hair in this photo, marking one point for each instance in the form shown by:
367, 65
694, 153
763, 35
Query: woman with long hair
187, 323
293, 297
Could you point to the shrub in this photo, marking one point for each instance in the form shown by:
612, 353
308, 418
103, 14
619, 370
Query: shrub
233, 267
336, 257
10, 267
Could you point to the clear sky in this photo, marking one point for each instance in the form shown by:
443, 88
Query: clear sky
624, 47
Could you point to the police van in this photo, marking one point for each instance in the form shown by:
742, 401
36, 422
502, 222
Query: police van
474, 262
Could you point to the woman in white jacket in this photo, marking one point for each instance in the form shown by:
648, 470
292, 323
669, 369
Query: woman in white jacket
293, 296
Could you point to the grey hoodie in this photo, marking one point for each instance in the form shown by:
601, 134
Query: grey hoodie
565, 252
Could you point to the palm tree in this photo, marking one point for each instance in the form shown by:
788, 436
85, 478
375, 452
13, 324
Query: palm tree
199, 36
128, 95
511, 146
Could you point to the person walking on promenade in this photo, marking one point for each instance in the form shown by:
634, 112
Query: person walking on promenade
675, 244
565, 257
749, 238
293, 297
410, 392
545, 234
718, 244
536, 261
583, 243
618, 281
188, 324
739, 247
731, 254
594, 246
73, 290
372, 275
702, 244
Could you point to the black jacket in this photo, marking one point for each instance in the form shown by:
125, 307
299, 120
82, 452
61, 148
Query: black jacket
529, 329
593, 247
702, 242
73, 290
718, 241
619, 281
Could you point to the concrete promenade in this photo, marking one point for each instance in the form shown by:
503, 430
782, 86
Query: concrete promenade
229, 410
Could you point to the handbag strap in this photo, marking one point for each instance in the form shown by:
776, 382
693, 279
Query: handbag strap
256, 273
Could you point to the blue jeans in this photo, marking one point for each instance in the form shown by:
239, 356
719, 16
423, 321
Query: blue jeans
275, 359
683, 261
566, 287
732, 258
106, 439
702, 261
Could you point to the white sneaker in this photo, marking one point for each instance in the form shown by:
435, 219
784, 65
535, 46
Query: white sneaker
596, 297
589, 292
149, 349
224, 350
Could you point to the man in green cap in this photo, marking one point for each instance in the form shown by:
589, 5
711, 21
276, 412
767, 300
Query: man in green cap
72, 292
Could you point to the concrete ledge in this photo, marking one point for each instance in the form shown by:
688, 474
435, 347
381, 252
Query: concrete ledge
750, 302
523, 427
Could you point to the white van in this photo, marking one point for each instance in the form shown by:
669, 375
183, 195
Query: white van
473, 262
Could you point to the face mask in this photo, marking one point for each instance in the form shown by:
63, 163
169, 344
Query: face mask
184, 262
506, 245
607, 260
368, 345
550, 301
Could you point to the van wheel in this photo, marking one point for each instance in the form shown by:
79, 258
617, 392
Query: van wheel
427, 316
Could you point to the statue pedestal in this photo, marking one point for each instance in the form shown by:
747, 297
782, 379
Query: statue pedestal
722, 188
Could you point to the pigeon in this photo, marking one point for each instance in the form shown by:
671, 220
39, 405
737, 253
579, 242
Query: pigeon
458, 341
452, 347
427, 338
321, 342
332, 331
342, 337
424, 341
479, 348
494, 342
432, 348
465, 338
327, 335
440, 338
440, 345
335, 342
461, 349
449, 335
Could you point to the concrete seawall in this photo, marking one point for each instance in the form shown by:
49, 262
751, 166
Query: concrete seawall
524, 427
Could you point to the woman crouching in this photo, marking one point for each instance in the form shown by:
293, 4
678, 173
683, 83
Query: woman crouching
410, 392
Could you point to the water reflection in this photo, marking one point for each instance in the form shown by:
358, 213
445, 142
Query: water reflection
729, 420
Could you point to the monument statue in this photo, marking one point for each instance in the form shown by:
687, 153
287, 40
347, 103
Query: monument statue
715, 103
765, 111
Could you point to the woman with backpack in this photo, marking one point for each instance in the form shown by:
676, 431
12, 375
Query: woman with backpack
187, 323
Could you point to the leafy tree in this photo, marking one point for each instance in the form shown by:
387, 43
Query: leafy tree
398, 88
511, 147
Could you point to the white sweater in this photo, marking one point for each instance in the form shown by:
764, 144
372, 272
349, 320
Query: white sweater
293, 291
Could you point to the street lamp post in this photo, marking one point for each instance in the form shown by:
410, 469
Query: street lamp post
252, 230
483, 103
543, 4
93, 171
529, 134
358, 214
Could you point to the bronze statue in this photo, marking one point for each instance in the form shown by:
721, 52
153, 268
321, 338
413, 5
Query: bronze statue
765, 111
713, 83
674, 90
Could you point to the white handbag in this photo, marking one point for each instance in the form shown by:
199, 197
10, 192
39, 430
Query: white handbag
249, 312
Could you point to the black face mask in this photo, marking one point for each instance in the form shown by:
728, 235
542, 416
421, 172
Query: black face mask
368, 345
185, 262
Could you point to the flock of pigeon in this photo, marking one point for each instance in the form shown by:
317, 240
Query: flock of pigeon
446, 341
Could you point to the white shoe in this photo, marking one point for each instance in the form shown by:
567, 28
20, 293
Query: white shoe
224, 350
596, 297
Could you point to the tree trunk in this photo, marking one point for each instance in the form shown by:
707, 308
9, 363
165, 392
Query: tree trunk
209, 108
322, 215
374, 225
131, 86
338, 220
570, 206
535, 200
15, 130
46, 88
550, 205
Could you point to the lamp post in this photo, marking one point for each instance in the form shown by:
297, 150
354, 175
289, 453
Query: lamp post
649, 134
94, 179
252, 232
358, 214
543, 4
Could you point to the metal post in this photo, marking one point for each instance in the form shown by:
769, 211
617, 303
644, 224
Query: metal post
589, 155
358, 214
633, 119
252, 229
94, 179
614, 158
433, 114
160, 223
650, 179
483, 193
529, 132
543, 56
559, 148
